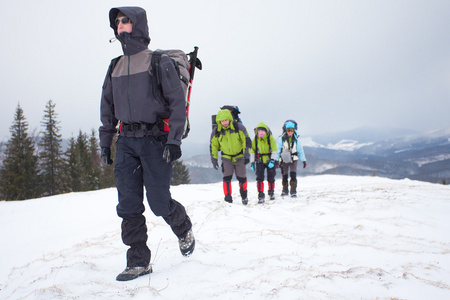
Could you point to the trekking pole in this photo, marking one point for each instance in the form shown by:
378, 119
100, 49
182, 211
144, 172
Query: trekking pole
195, 63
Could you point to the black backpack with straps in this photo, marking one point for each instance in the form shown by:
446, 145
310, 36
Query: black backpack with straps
234, 110
236, 120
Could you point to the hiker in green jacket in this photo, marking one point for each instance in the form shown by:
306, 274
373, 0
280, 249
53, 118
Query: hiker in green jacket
264, 148
231, 138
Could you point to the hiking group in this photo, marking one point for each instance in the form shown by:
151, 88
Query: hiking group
230, 138
145, 103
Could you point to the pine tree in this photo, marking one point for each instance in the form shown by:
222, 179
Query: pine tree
19, 177
108, 179
72, 175
93, 170
84, 161
180, 174
51, 162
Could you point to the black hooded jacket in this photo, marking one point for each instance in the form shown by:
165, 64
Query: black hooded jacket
130, 94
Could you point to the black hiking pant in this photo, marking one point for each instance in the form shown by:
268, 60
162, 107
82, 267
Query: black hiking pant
271, 172
260, 168
139, 164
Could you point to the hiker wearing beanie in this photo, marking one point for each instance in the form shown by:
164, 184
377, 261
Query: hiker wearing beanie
264, 151
290, 150
145, 150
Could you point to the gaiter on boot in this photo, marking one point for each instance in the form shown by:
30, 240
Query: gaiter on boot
227, 190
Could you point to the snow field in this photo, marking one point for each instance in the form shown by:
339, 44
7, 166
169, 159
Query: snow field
342, 238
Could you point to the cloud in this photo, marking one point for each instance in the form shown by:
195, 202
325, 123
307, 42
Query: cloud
331, 65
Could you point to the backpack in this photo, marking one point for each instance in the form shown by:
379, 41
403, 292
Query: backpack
235, 113
185, 69
234, 110
236, 120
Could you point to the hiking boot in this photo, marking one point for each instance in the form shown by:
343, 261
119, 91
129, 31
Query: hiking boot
244, 196
187, 243
131, 273
261, 197
271, 195
228, 199
243, 191
293, 184
285, 190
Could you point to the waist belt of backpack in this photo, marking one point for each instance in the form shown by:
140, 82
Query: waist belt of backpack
126, 127
260, 155
231, 155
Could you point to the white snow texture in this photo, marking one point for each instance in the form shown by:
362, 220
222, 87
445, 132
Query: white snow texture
342, 238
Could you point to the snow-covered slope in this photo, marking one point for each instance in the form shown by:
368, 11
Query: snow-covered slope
342, 238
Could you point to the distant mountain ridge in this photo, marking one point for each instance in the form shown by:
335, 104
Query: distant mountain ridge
364, 135
385, 152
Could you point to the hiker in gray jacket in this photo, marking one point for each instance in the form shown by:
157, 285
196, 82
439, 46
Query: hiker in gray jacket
146, 149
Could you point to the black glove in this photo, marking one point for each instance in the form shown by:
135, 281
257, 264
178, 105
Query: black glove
215, 163
171, 153
106, 156
246, 161
304, 164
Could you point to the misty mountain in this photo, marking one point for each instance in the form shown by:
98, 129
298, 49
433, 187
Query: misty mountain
391, 153
364, 135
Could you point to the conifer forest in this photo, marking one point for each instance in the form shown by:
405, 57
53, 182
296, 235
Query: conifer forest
36, 163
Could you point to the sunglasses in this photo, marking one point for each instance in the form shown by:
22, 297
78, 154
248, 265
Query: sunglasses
124, 21
290, 130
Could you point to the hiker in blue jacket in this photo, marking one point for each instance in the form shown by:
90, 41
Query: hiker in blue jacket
145, 149
289, 152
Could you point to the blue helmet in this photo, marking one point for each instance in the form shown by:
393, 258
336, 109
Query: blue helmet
290, 124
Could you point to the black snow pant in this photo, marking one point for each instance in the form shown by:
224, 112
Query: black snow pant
271, 172
260, 168
139, 163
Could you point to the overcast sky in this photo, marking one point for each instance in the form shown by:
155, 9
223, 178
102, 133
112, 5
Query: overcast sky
330, 65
